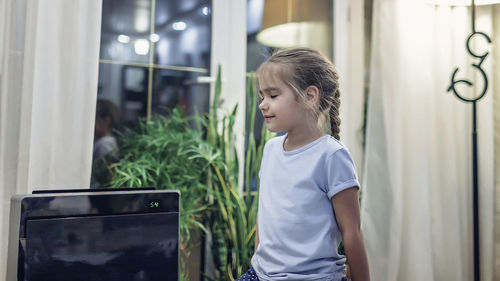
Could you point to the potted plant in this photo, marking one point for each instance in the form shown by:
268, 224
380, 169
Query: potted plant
166, 152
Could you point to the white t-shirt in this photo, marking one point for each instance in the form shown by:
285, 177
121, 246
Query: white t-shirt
104, 146
298, 233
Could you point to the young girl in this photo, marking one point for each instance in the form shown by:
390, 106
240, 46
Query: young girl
308, 200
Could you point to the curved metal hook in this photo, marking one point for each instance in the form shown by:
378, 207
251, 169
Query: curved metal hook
481, 58
453, 82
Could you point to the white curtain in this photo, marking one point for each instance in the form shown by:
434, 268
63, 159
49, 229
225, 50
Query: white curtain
2, 25
48, 79
496, 106
417, 198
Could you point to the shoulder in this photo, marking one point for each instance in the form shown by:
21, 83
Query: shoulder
107, 141
341, 170
104, 145
274, 143
333, 146
337, 154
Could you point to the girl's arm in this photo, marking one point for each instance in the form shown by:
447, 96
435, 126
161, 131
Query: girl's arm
346, 206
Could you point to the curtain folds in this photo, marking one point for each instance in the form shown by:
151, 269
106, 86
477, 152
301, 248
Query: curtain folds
48, 82
417, 199
496, 106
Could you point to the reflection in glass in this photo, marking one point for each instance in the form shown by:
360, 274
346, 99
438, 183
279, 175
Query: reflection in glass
113, 247
125, 30
184, 30
179, 88
127, 87
180, 40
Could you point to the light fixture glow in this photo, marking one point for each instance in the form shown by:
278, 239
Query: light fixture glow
179, 25
141, 46
294, 23
292, 34
205, 11
154, 37
123, 39
463, 2
141, 17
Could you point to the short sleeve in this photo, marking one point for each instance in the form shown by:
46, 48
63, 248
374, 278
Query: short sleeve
341, 172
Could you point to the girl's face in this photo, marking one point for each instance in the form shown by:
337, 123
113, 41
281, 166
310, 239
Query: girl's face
279, 104
102, 127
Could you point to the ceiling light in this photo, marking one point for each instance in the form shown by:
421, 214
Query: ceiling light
123, 39
205, 11
141, 18
179, 25
141, 46
154, 37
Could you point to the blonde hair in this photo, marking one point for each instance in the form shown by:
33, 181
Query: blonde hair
304, 67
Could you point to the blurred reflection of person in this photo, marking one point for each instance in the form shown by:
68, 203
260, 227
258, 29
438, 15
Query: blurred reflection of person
107, 120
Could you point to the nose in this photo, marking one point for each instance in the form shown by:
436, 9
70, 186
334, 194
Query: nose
263, 105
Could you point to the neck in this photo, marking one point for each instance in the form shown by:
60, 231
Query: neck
99, 136
297, 140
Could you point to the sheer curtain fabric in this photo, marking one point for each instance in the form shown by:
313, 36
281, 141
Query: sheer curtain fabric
48, 78
417, 199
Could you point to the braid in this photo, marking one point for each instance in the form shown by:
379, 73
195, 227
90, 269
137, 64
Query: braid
335, 116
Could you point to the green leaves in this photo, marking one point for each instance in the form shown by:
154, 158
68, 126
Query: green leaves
233, 219
166, 153
201, 162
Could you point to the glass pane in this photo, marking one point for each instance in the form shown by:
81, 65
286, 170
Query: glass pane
172, 88
125, 30
103, 248
183, 31
127, 87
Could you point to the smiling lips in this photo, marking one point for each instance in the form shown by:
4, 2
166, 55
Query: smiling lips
268, 117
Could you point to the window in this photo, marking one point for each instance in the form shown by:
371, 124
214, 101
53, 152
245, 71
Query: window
151, 57
152, 53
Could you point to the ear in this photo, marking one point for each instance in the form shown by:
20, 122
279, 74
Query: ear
312, 96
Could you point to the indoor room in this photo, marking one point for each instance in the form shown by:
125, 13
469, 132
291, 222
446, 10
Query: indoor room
238, 140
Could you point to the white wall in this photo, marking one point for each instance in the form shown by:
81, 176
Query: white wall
348, 57
229, 43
